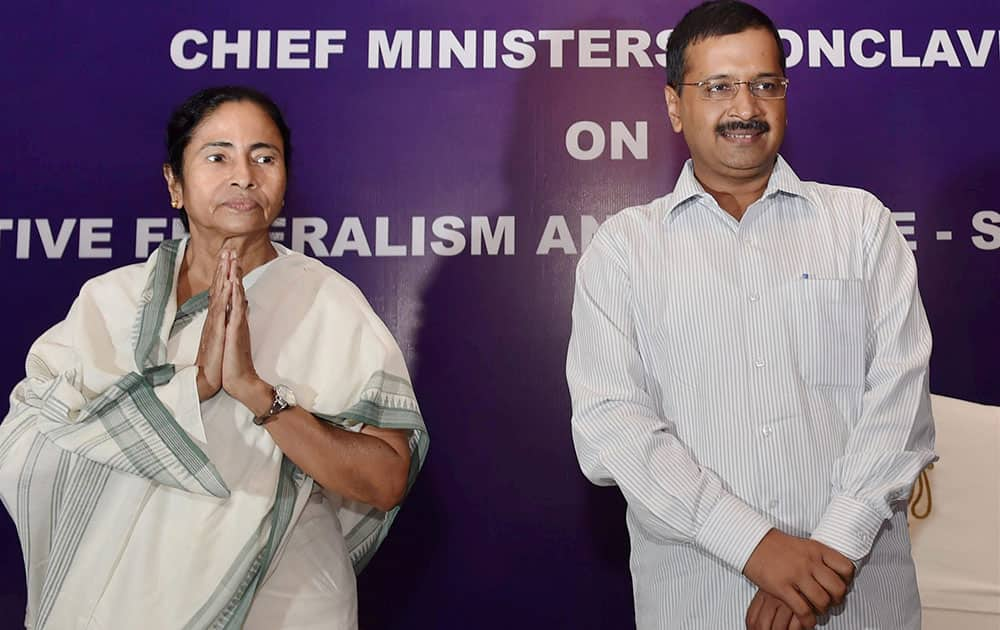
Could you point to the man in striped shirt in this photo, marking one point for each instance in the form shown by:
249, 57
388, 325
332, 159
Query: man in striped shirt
748, 364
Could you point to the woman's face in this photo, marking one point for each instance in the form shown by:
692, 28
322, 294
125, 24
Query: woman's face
234, 172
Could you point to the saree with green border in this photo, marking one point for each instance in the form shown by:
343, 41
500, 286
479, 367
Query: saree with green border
136, 504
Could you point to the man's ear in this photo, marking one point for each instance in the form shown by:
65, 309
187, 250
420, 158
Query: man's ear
673, 107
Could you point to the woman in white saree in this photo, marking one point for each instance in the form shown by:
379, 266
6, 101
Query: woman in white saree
218, 437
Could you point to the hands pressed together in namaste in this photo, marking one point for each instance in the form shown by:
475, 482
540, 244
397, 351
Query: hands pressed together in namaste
224, 359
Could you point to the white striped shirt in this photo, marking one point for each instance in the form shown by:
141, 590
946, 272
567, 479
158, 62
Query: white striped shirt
733, 376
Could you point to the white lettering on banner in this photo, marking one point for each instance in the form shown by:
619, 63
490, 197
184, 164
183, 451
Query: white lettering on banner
898, 59
351, 237
382, 246
277, 232
793, 55
940, 48
556, 39
464, 52
632, 43
5, 224
222, 48
590, 47
90, 232
858, 41
146, 239
309, 231
390, 54
446, 228
233, 49
976, 54
290, 44
575, 148
54, 247
144, 236
832, 49
448, 235
621, 137
987, 223
177, 44
556, 235
190, 49
90, 237
489, 49
521, 54
661, 42
417, 236
503, 235
325, 46
424, 49
23, 238
906, 230
263, 50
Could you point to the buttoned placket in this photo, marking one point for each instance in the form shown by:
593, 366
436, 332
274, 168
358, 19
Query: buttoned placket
758, 354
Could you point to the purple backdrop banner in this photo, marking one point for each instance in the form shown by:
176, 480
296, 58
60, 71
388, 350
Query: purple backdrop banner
453, 159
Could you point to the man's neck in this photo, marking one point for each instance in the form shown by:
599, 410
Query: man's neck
735, 195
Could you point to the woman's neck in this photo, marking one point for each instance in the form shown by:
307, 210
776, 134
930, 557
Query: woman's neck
201, 259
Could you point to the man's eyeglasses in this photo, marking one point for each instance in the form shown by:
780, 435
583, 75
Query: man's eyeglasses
725, 89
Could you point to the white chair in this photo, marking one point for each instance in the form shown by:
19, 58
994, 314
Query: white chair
957, 547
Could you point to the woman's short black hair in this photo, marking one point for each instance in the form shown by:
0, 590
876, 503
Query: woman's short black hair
714, 19
198, 106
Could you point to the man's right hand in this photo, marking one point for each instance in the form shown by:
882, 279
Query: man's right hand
805, 574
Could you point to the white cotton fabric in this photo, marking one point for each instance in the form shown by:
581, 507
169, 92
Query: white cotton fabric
152, 556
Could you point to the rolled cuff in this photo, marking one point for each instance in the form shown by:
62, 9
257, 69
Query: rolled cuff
848, 526
732, 531
180, 397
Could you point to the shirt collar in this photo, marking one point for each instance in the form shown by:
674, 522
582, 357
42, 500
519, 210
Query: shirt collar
783, 179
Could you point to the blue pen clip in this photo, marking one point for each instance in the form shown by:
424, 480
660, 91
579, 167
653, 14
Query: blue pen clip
805, 276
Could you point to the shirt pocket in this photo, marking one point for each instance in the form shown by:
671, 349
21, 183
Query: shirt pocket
829, 325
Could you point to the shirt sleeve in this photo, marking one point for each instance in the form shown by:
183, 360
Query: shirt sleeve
893, 440
620, 437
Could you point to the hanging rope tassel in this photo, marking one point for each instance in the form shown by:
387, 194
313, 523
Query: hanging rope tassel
920, 487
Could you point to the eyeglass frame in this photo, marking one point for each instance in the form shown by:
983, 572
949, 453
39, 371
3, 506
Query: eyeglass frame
782, 80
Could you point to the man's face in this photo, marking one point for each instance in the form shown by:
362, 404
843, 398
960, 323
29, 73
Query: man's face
731, 141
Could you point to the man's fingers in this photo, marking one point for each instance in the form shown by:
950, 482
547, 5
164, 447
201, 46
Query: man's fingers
782, 616
765, 621
809, 623
839, 563
754, 611
818, 598
794, 600
795, 624
831, 583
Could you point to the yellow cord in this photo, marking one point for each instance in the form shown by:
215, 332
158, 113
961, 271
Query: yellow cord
921, 486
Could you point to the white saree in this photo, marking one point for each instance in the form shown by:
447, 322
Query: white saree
139, 507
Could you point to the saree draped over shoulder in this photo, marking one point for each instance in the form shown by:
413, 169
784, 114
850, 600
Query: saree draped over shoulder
138, 506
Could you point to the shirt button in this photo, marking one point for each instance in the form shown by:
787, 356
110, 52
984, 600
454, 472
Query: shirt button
773, 503
759, 363
754, 297
766, 430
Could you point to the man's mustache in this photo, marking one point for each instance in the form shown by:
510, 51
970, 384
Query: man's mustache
740, 125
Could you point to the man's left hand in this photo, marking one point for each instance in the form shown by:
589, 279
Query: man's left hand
767, 612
